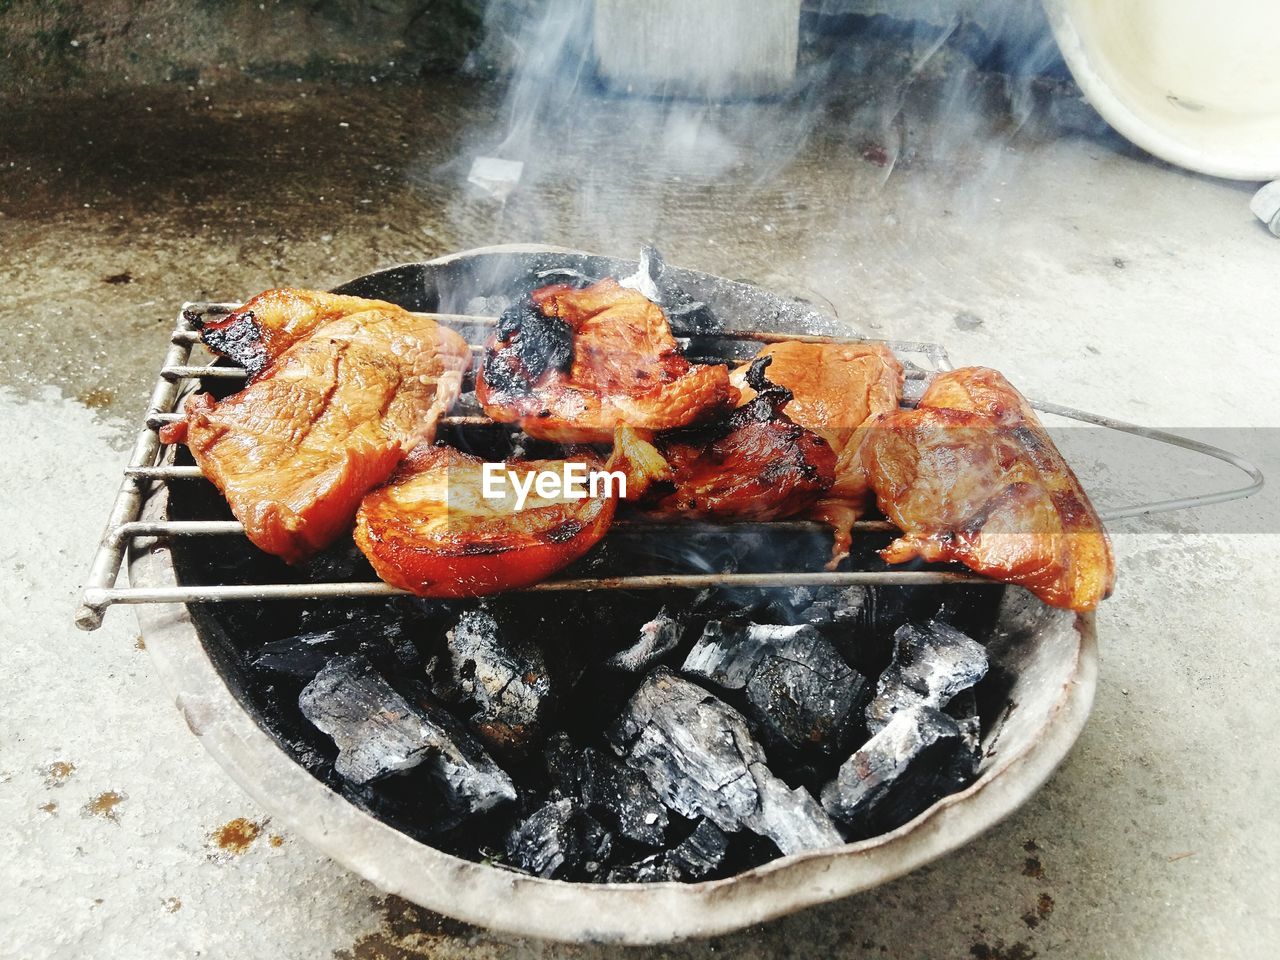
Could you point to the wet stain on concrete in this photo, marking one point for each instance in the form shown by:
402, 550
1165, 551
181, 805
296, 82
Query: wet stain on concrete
104, 805
96, 398
58, 773
1043, 908
407, 932
999, 951
236, 836
238, 204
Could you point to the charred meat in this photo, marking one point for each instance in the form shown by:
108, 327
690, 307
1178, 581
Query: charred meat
258, 332
972, 476
755, 464
837, 388
297, 449
570, 365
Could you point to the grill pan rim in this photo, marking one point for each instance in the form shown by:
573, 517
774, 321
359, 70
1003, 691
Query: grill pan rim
576, 912
633, 914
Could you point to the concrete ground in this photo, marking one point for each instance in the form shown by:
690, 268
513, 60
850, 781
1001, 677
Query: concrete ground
1092, 275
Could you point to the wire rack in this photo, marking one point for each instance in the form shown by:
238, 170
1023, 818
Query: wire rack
151, 463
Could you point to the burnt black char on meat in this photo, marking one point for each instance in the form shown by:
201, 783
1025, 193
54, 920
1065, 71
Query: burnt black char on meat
754, 464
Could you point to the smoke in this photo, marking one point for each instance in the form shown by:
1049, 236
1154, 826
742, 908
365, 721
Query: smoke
552, 63
894, 141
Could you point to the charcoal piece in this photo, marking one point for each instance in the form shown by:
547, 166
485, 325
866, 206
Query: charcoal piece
845, 603
930, 666
687, 315
378, 732
807, 697
833, 606
301, 656
816, 614
341, 562
694, 858
963, 709
700, 853
728, 657
658, 637
714, 603
505, 677
798, 688
884, 609
698, 753
896, 774
559, 840
385, 643
785, 604
617, 795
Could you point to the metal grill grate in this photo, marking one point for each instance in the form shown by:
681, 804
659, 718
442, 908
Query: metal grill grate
151, 463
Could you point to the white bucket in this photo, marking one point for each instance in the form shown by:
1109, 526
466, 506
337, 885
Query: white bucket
697, 48
1195, 82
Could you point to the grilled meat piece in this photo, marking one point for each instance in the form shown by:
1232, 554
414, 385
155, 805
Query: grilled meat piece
972, 476
431, 529
266, 326
837, 388
296, 450
755, 464
570, 365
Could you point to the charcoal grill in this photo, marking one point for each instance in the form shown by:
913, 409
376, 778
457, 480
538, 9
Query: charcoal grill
1049, 655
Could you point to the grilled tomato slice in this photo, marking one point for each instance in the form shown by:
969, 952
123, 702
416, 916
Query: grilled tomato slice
431, 529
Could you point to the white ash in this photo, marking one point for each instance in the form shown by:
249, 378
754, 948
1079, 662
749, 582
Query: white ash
728, 657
